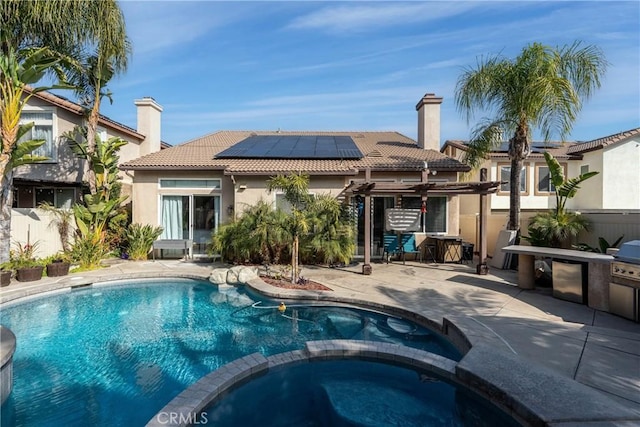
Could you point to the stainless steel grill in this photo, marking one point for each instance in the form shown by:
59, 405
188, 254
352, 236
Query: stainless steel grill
624, 288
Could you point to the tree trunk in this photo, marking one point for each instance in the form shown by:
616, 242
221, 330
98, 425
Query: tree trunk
92, 127
518, 151
514, 195
6, 200
294, 261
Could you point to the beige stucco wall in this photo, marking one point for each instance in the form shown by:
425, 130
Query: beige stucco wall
248, 189
621, 175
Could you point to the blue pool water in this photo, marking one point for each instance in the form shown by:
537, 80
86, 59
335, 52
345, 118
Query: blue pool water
352, 393
114, 355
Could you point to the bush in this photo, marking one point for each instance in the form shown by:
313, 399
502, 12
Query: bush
141, 238
88, 250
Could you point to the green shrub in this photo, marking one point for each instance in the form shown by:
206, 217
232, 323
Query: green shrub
89, 249
141, 238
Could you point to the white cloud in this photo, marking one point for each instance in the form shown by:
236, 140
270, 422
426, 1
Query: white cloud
373, 16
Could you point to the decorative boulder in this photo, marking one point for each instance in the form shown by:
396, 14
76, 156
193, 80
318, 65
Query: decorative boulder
218, 276
240, 274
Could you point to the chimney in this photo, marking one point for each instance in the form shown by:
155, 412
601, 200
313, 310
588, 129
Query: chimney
149, 114
429, 122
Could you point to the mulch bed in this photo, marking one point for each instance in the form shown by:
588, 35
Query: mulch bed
309, 286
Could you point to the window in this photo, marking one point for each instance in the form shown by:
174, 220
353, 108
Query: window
505, 176
42, 129
435, 219
584, 169
283, 204
32, 197
544, 184
543, 179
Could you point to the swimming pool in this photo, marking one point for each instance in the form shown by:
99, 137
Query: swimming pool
114, 354
349, 393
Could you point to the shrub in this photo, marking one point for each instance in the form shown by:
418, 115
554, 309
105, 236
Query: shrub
89, 249
141, 238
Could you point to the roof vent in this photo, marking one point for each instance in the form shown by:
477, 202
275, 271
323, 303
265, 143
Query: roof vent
374, 153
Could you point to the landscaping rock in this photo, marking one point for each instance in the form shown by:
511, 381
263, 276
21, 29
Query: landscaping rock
240, 274
218, 276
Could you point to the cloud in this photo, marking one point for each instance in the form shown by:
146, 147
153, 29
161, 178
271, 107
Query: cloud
372, 17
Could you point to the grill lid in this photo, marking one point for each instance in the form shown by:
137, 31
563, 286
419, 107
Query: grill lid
630, 252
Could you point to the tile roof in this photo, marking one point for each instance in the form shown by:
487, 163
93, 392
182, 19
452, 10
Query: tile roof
583, 147
390, 151
72, 107
559, 150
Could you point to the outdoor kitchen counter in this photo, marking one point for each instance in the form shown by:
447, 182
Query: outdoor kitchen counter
598, 273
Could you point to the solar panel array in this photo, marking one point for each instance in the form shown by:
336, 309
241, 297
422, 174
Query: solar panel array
294, 147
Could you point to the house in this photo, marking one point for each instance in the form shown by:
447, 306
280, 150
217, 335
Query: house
611, 199
59, 180
192, 188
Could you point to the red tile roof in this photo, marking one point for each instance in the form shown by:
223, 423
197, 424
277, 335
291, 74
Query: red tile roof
583, 147
383, 151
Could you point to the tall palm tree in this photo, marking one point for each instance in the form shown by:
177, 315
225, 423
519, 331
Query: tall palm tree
541, 89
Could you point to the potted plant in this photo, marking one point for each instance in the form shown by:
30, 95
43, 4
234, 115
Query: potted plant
23, 260
5, 274
58, 265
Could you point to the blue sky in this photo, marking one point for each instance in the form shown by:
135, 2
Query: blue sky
355, 65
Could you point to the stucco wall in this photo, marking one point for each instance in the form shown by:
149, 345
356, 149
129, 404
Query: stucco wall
621, 175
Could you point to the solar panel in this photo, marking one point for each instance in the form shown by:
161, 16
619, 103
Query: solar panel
294, 147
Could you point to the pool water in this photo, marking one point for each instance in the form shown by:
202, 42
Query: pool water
114, 355
351, 393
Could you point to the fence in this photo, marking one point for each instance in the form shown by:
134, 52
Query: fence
36, 225
610, 226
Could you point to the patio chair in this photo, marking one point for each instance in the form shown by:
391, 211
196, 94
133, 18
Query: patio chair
430, 252
390, 246
409, 247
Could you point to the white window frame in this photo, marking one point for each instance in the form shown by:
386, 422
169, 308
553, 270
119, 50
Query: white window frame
53, 158
525, 172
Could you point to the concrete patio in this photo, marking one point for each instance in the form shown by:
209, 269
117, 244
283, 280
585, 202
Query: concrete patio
596, 349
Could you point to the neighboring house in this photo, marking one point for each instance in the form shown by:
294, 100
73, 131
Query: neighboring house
59, 180
611, 199
192, 188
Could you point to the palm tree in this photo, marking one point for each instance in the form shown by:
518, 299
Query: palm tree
296, 191
541, 89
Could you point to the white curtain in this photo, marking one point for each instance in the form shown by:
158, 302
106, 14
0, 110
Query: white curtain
172, 217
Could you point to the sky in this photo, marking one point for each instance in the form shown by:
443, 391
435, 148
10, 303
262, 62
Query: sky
354, 66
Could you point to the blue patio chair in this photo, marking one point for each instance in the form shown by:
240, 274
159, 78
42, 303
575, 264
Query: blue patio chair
409, 247
390, 246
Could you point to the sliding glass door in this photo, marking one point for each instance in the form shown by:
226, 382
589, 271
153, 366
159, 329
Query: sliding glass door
190, 217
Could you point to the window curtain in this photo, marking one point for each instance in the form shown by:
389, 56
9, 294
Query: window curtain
172, 217
46, 133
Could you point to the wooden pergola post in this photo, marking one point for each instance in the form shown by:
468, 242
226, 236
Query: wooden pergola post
482, 267
366, 267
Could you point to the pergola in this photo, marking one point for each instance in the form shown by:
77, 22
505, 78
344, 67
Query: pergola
424, 189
